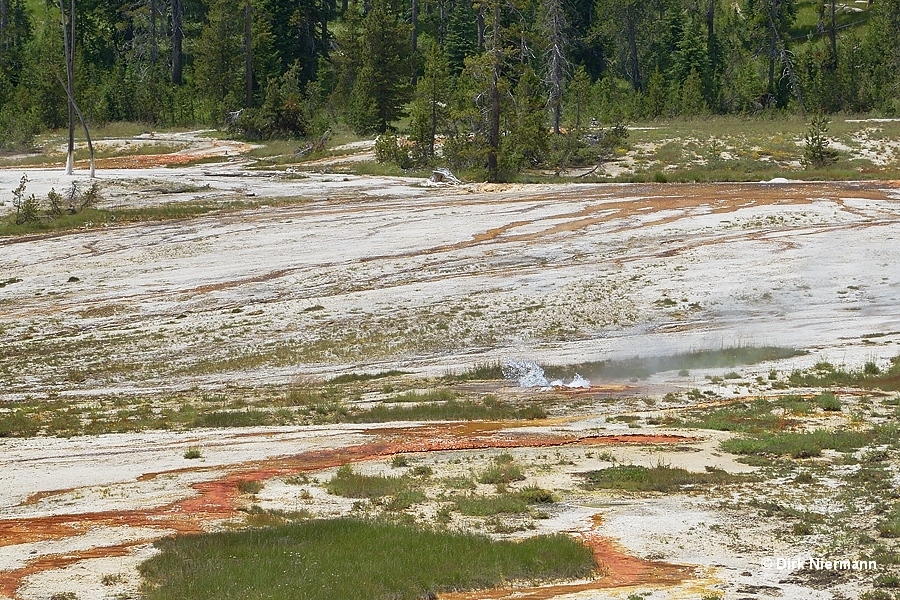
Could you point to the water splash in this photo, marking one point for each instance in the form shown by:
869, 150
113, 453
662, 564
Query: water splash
529, 374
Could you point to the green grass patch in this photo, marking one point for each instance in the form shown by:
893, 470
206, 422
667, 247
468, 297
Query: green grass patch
458, 482
661, 478
869, 376
349, 484
759, 415
453, 410
515, 502
443, 395
502, 472
828, 402
488, 506
701, 359
354, 377
889, 527
90, 218
234, 418
303, 404
489, 371
798, 444
348, 559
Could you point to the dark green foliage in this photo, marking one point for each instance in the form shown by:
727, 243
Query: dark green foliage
27, 208
816, 152
32, 214
218, 66
309, 560
627, 59
375, 67
525, 144
282, 114
430, 113
389, 149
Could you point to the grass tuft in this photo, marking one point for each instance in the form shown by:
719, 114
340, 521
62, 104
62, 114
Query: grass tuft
349, 484
661, 478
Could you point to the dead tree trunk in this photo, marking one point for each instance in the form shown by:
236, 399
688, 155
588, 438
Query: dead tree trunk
832, 33
494, 130
69, 49
773, 36
479, 24
556, 63
711, 35
634, 65
248, 55
177, 37
415, 24
154, 49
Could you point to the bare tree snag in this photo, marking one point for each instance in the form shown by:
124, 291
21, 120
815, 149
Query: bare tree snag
248, 54
154, 50
556, 61
415, 24
177, 37
711, 35
69, 49
494, 132
832, 33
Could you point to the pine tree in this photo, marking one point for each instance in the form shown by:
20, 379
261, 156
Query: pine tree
375, 68
578, 97
525, 144
692, 101
430, 110
218, 59
461, 37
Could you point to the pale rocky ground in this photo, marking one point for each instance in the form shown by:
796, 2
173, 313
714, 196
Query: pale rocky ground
346, 274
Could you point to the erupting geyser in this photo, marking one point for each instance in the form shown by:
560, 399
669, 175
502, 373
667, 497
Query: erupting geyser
530, 374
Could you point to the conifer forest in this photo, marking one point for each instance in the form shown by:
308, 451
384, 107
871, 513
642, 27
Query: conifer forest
504, 84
